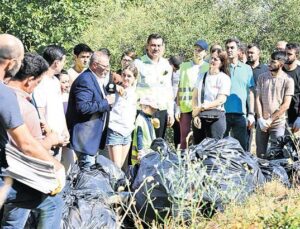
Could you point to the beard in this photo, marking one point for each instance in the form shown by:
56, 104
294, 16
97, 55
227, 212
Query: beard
250, 61
289, 62
274, 69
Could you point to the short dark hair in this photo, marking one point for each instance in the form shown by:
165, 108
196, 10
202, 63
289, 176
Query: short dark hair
155, 36
105, 51
294, 46
279, 55
253, 45
175, 61
32, 65
130, 52
81, 48
53, 52
233, 39
62, 72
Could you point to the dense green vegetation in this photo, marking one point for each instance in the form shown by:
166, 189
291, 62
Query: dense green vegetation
122, 24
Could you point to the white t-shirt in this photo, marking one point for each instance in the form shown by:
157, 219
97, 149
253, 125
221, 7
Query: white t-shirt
47, 95
73, 74
123, 113
215, 85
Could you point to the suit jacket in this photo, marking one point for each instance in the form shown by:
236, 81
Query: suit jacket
86, 113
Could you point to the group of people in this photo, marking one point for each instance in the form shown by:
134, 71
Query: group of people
65, 117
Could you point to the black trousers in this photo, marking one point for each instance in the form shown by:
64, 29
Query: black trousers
163, 119
214, 129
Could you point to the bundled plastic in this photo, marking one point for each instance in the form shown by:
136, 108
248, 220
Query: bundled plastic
115, 175
213, 174
234, 172
273, 171
284, 147
87, 196
89, 213
153, 167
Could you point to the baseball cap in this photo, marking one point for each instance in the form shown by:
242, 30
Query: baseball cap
149, 100
202, 44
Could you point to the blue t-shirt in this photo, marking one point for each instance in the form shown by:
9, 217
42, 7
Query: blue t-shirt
241, 81
10, 115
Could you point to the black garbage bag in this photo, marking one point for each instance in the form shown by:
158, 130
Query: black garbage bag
272, 171
214, 173
232, 173
291, 167
284, 147
89, 213
161, 146
93, 183
152, 199
132, 172
115, 175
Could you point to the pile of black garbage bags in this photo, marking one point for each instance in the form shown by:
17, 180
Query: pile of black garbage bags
201, 180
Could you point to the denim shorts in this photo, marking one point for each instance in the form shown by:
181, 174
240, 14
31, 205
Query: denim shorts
115, 138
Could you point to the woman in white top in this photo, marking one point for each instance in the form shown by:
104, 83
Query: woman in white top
122, 118
216, 89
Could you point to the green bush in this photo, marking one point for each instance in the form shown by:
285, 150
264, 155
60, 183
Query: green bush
40, 23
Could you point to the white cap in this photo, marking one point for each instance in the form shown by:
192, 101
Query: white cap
150, 101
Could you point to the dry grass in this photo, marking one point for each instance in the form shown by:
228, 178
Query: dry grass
271, 206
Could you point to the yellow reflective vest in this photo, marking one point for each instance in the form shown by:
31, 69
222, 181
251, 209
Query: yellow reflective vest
148, 136
189, 73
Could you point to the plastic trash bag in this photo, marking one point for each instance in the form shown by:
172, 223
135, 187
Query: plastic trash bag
93, 183
215, 172
235, 172
90, 213
284, 147
153, 165
115, 175
272, 171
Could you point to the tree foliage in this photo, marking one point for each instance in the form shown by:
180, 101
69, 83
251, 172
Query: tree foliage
41, 22
122, 24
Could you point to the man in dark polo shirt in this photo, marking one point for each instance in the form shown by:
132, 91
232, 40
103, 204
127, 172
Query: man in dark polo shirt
253, 59
292, 68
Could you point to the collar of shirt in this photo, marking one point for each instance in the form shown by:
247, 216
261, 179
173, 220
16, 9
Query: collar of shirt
150, 61
239, 64
100, 82
21, 93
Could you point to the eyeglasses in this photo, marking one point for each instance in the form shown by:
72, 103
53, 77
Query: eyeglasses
105, 67
126, 60
230, 47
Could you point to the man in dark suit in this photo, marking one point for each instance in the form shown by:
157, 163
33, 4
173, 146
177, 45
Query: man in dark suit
88, 109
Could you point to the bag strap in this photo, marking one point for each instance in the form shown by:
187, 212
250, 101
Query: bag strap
203, 88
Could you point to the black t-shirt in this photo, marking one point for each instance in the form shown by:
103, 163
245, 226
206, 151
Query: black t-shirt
295, 103
261, 68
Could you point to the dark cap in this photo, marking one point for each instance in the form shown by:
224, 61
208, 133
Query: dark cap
202, 44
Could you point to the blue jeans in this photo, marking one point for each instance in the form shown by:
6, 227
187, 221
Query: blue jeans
85, 161
237, 128
21, 199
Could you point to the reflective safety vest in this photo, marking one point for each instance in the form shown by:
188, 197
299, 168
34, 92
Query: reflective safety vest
155, 79
189, 73
148, 137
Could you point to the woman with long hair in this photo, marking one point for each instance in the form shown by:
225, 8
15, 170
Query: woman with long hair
122, 117
209, 96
